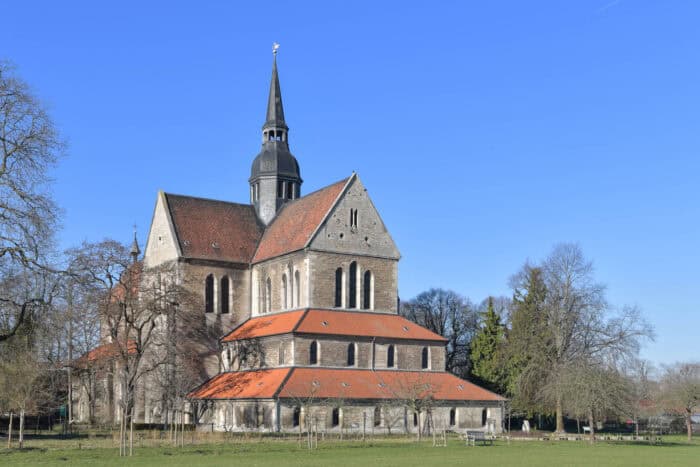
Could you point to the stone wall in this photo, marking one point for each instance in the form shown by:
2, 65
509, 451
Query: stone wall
367, 237
333, 352
161, 245
372, 417
323, 267
293, 267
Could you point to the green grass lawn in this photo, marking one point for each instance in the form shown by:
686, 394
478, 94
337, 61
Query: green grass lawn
377, 453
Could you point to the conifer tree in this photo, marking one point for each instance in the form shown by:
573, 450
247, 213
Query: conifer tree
487, 350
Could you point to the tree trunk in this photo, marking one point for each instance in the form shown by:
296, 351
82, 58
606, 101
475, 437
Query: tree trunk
591, 424
131, 433
560, 416
21, 428
689, 424
9, 431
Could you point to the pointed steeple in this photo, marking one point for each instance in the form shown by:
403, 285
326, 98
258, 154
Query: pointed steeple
275, 110
135, 250
274, 175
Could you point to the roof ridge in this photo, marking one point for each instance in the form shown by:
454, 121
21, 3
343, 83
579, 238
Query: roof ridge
284, 381
201, 198
301, 320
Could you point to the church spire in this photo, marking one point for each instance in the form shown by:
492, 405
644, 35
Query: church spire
275, 110
135, 250
274, 175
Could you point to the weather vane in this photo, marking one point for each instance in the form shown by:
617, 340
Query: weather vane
275, 46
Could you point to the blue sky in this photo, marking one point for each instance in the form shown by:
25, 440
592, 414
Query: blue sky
486, 132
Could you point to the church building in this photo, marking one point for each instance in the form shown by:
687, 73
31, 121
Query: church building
304, 289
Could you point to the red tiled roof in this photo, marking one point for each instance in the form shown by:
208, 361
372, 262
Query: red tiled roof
104, 352
350, 323
216, 230
294, 224
328, 383
242, 385
382, 384
333, 322
266, 325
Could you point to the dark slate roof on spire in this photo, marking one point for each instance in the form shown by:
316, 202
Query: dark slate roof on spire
275, 111
135, 250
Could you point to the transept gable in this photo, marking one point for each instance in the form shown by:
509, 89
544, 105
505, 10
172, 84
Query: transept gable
353, 226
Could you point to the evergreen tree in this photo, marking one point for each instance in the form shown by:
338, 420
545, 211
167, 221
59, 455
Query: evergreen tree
487, 350
527, 340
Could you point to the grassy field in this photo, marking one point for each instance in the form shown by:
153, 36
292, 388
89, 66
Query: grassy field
376, 453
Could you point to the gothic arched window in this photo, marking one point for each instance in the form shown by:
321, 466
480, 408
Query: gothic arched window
313, 353
268, 295
390, 357
284, 291
282, 357
367, 290
209, 294
351, 354
224, 294
424, 358
453, 416
297, 288
352, 285
377, 416
339, 287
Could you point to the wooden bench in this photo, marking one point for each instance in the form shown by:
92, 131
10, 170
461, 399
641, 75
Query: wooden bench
471, 437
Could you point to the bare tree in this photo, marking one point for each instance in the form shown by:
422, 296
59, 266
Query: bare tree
450, 315
680, 391
135, 306
19, 372
416, 394
307, 401
577, 328
643, 390
29, 147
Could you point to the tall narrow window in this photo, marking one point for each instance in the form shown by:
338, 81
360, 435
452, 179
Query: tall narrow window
209, 294
339, 287
424, 358
484, 417
282, 357
296, 416
352, 285
284, 291
367, 291
351, 354
297, 288
353, 218
335, 417
377, 416
268, 295
313, 353
415, 418
390, 357
224, 295
453, 416
280, 189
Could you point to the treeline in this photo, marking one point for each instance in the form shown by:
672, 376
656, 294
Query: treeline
557, 347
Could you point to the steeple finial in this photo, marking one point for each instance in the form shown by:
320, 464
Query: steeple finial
135, 250
275, 111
